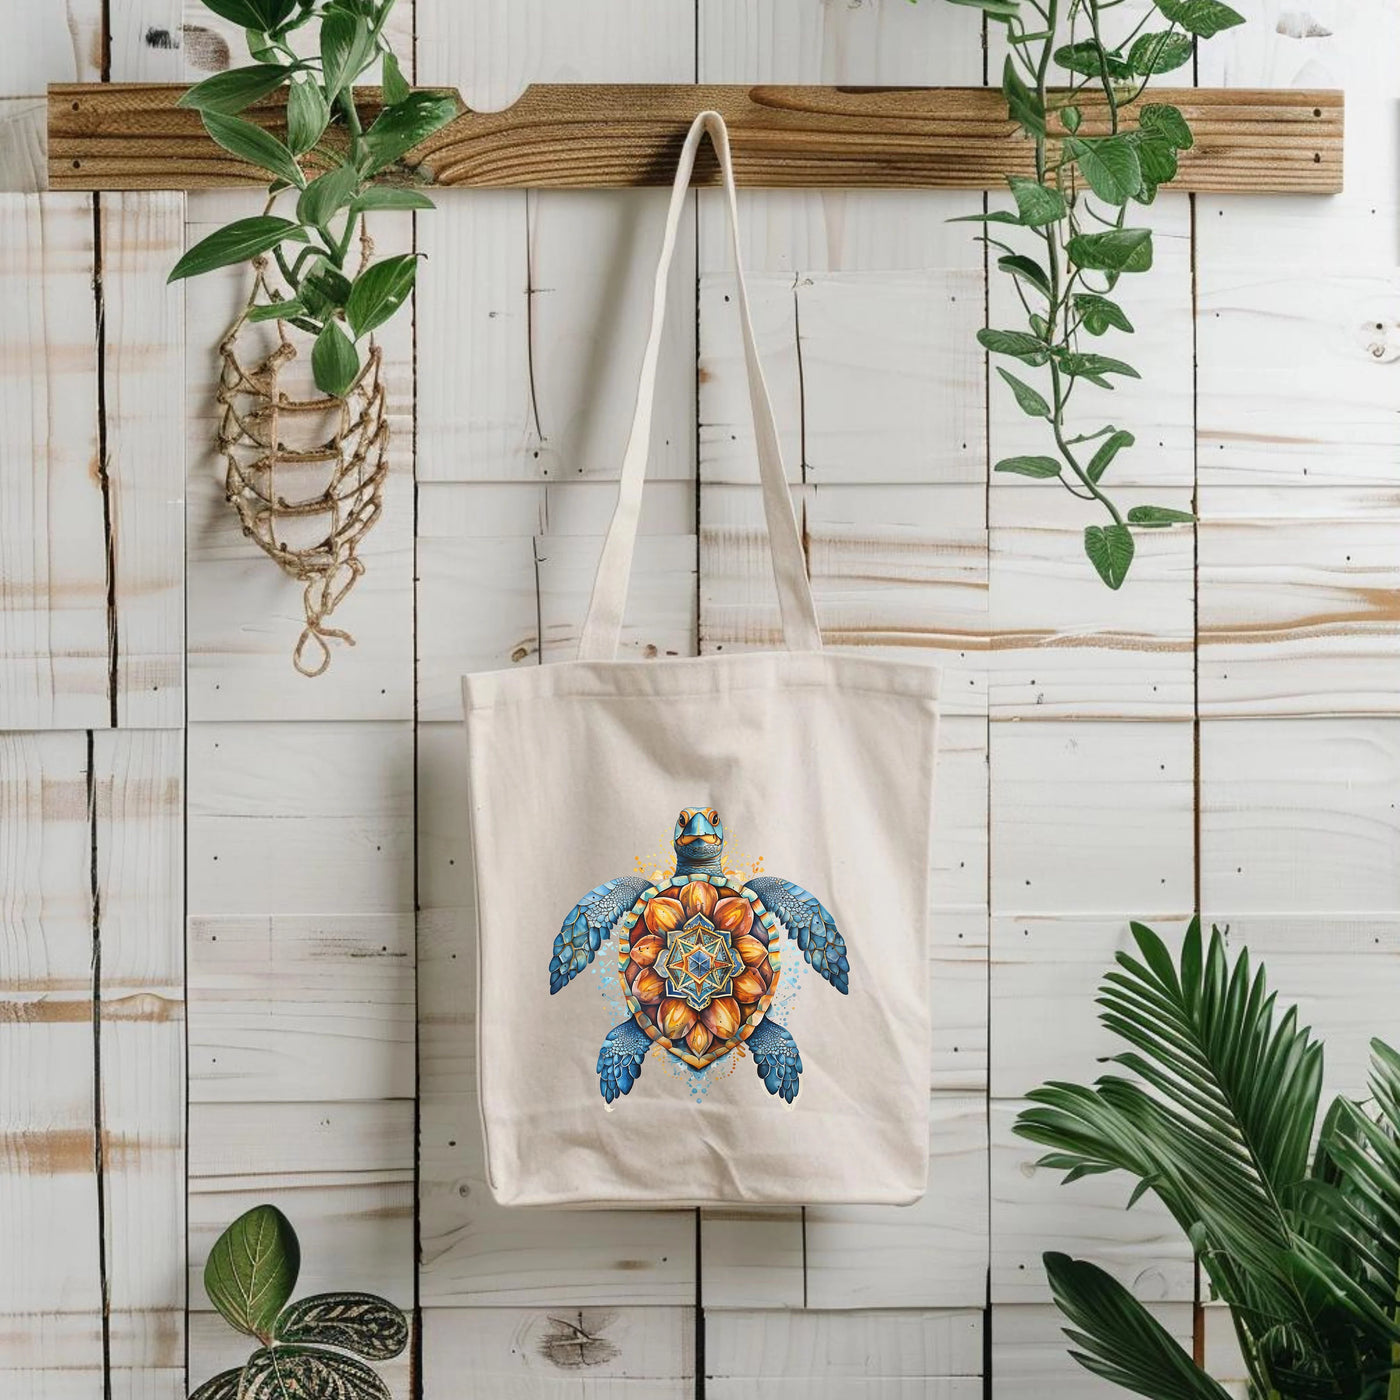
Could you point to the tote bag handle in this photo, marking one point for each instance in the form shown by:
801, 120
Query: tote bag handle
603, 625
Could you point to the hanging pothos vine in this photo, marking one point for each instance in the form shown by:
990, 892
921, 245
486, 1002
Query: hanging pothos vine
1077, 209
306, 461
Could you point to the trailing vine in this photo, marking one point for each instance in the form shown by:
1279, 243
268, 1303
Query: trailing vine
334, 156
1092, 165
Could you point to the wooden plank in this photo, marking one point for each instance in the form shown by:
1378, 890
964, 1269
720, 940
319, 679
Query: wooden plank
1297, 601
1045, 971
561, 1353
321, 812
138, 791
53, 593
50, 1297
1300, 814
143, 344
909, 1351
23, 144
315, 1007
1066, 647
1296, 371
930, 1254
1091, 817
572, 135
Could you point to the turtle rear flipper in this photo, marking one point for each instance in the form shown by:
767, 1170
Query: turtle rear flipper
620, 1059
775, 1053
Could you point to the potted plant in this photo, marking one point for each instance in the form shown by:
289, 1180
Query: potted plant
1295, 1222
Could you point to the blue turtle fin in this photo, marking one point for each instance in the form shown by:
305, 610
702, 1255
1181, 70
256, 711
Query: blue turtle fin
810, 923
587, 924
620, 1059
775, 1054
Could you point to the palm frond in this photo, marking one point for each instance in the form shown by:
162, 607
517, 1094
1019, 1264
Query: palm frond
1116, 1337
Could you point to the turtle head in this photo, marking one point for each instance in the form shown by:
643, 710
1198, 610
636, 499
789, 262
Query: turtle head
698, 839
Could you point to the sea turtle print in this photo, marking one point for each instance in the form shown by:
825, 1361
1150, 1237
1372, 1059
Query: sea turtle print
698, 956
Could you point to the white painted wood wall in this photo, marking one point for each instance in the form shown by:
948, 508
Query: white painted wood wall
235, 947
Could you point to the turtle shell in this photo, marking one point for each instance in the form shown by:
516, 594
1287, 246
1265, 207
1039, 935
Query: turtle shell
699, 964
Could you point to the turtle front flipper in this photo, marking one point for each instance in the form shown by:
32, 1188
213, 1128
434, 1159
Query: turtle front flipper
775, 1053
587, 924
620, 1059
810, 923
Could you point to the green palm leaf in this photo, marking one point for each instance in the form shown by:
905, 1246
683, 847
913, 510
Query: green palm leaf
1117, 1338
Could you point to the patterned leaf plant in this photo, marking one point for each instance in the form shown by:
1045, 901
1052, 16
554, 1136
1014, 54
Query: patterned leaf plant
1295, 1223
339, 162
249, 1277
1069, 89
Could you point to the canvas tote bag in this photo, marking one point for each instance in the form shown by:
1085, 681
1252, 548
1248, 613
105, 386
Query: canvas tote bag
702, 890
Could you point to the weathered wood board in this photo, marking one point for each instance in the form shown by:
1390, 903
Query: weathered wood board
1222, 733
603, 135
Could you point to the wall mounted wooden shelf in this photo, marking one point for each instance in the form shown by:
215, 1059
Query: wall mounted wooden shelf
124, 136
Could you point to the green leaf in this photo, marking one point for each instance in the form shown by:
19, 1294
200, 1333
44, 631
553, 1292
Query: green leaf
1070, 117
1099, 314
1084, 57
1164, 120
1110, 551
288, 1371
241, 240
1109, 164
396, 88
1037, 204
1153, 516
390, 197
334, 361
1157, 159
1029, 466
251, 143
1028, 270
379, 291
307, 115
1023, 105
1079, 365
1031, 402
1028, 348
235, 88
1202, 18
360, 1322
1116, 1338
326, 195
275, 311
346, 47
997, 216
1108, 450
1159, 52
399, 129
1117, 250
325, 289
224, 1386
252, 1269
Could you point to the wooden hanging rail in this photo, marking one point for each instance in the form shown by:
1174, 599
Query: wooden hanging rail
132, 136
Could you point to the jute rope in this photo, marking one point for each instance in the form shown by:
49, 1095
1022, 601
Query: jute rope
255, 416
